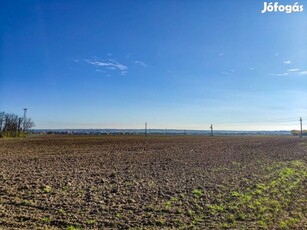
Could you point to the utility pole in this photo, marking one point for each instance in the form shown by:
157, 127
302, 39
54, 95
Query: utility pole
19, 125
145, 129
301, 123
24, 118
211, 127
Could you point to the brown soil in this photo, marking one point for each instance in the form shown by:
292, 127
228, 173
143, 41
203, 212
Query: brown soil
98, 182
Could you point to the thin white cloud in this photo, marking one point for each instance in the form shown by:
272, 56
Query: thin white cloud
251, 68
228, 72
141, 63
221, 54
293, 70
123, 73
279, 74
288, 62
276, 54
110, 64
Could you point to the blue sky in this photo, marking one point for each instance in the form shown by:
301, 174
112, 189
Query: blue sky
175, 64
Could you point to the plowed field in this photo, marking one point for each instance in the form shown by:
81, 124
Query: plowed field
99, 182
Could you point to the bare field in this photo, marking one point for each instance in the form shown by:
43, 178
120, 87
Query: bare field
98, 182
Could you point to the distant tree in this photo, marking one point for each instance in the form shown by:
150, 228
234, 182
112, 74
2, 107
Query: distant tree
298, 132
294, 132
28, 124
11, 125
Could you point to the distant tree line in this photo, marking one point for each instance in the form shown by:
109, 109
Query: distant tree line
298, 132
11, 125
